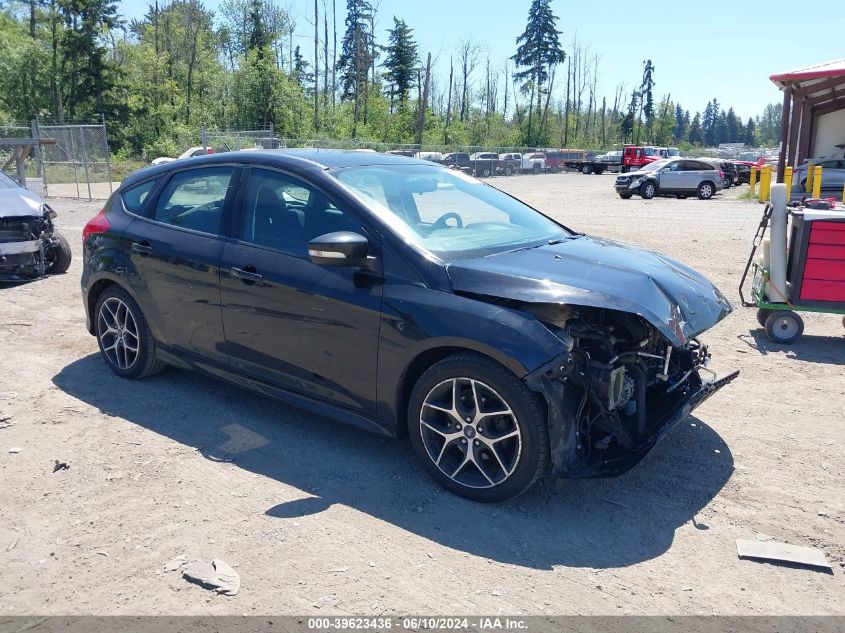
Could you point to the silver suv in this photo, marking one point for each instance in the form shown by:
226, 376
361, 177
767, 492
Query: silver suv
681, 177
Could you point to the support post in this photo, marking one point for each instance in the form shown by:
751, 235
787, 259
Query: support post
811, 172
817, 181
752, 181
765, 182
787, 180
784, 132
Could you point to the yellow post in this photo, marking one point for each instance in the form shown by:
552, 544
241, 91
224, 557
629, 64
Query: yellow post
765, 183
817, 181
787, 180
752, 182
809, 184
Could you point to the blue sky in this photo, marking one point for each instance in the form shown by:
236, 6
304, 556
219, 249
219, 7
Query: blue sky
701, 50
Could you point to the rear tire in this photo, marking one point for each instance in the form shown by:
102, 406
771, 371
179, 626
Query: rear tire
706, 190
123, 335
762, 315
784, 327
58, 256
536, 168
486, 458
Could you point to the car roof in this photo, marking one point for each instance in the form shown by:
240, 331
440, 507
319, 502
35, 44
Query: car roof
319, 159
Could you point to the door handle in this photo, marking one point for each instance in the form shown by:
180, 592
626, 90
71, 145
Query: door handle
247, 276
142, 248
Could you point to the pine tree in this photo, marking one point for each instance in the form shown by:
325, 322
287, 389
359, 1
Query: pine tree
87, 74
356, 55
696, 134
626, 127
259, 36
749, 133
401, 61
538, 50
648, 96
734, 125
680, 127
300, 69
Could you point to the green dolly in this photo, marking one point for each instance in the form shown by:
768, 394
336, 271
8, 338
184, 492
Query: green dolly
781, 321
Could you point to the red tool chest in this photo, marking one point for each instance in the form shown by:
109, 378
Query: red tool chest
817, 258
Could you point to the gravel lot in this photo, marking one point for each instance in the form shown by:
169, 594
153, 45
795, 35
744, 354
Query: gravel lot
322, 519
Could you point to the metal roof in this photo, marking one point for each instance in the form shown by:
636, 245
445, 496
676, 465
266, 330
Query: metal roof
822, 84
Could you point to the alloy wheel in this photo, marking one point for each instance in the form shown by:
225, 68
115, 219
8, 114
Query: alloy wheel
118, 333
470, 433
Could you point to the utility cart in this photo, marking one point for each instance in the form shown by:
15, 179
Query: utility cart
808, 275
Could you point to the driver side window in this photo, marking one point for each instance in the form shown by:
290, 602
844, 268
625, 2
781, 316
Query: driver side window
194, 199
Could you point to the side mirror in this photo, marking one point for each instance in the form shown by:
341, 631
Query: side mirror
342, 248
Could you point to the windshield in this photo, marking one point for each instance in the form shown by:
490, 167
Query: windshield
673, 151
447, 213
655, 165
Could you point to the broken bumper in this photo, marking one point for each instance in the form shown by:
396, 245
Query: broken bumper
660, 421
19, 248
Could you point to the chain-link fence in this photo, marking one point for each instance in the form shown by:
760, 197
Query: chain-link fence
234, 141
70, 160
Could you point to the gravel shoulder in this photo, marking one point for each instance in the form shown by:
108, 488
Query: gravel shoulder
318, 518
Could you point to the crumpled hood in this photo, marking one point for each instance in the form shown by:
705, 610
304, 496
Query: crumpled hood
588, 271
19, 202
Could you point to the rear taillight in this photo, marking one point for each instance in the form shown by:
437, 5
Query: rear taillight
96, 225
722, 175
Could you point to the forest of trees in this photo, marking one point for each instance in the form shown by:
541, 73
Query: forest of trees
256, 63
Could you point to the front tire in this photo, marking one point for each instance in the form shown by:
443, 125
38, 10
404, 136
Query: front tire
706, 190
648, 190
58, 255
784, 327
536, 168
625, 196
586, 170
479, 431
124, 337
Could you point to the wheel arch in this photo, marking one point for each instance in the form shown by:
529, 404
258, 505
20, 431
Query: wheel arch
430, 356
95, 291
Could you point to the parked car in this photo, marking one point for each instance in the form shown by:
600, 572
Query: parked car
404, 298
511, 163
534, 162
743, 172
730, 173
188, 153
833, 174
30, 245
457, 159
681, 177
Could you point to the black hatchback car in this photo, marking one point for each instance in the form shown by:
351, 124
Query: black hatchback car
405, 298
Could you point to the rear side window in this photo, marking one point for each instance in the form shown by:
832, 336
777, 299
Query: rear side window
193, 199
134, 197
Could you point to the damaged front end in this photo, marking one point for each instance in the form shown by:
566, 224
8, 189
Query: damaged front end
617, 390
26, 245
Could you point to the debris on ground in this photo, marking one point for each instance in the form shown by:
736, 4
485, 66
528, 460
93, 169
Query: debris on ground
60, 466
176, 563
13, 544
782, 553
15, 449
215, 575
8, 395
5, 421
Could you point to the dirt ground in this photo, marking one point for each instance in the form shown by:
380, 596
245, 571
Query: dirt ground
318, 518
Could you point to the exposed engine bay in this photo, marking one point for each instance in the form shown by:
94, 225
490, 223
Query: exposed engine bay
617, 389
30, 247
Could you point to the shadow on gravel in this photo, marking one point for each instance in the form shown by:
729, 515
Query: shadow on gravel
580, 523
826, 350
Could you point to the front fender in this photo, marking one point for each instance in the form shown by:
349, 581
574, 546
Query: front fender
417, 320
